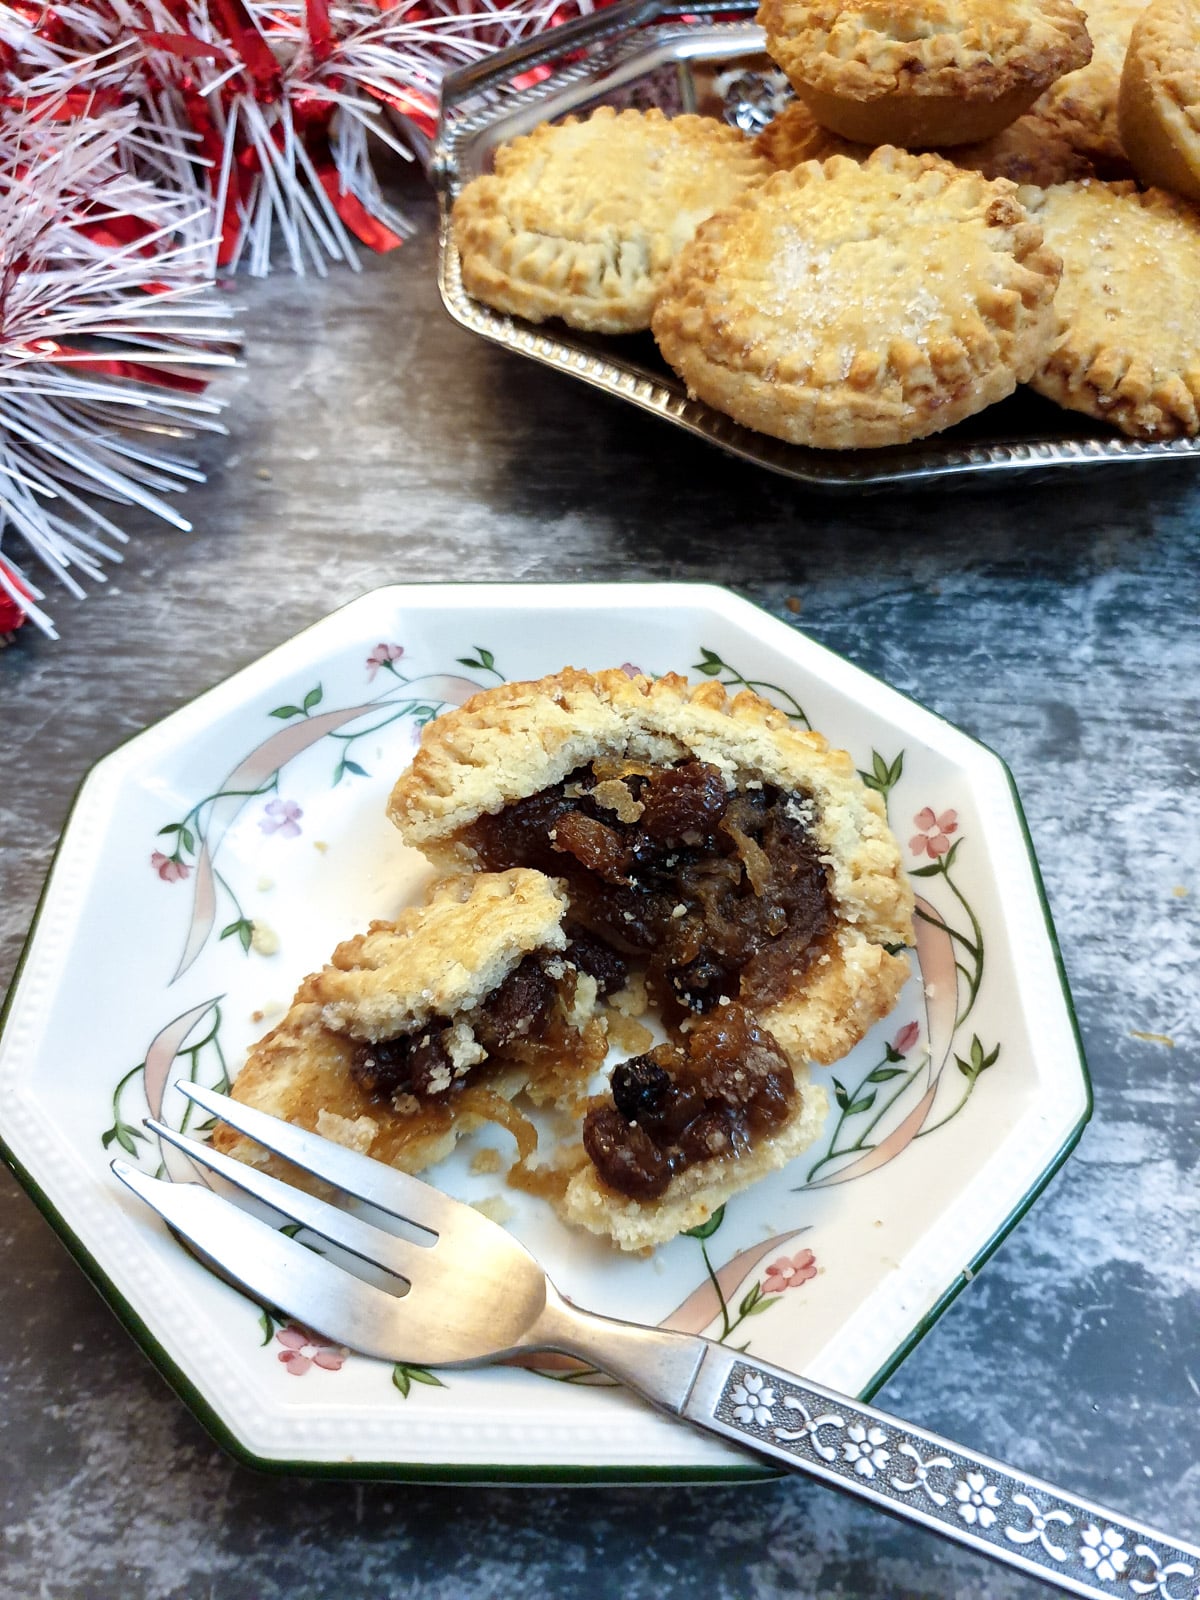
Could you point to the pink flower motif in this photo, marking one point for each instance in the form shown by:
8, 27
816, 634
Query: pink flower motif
934, 837
303, 1349
630, 671
382, 656
906, 1038
784, 1274
281, 818
168, 869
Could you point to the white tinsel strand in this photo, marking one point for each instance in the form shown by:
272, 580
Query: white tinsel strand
73, 429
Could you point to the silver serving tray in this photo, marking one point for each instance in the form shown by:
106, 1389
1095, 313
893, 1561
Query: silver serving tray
627, 55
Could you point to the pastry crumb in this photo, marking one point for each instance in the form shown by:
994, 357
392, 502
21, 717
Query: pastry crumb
265, 884
354, 1133
264, 941
488, 1159
495, 1207
320, 844
1153, 1038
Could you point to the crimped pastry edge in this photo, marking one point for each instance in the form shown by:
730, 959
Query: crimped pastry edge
847, 415
1078, 373
486, 237
932, 66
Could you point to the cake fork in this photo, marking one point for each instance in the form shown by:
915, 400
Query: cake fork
470, 1294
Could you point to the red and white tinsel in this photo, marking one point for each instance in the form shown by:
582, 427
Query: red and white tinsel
147, 146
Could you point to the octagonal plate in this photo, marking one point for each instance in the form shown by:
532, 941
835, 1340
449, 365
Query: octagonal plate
216, 858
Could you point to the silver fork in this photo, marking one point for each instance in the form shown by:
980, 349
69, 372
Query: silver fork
474, 1295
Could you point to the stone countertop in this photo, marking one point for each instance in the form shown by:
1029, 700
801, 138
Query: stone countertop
373, 441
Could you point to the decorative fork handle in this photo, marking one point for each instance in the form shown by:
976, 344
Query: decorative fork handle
1081, 1547
1071, 1543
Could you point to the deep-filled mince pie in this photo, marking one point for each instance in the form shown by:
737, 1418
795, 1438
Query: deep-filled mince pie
581, 219
923, 73
424, 1028
736, 866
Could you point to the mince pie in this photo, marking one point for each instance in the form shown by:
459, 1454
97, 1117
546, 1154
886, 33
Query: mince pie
582, 218
424, 1028
1129, 348
847, 304
923, 73
1159, 104
735, 867
1082, 106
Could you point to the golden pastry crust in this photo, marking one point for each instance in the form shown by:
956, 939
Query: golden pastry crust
1159, 103
847, 304
441, 958
1030, 150
697, 1192
923, 72
795, 136
1082, 105
1129, 350
439, 961
581, 219
519, 739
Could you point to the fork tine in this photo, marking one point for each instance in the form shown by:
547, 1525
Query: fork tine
386, 1188
339, 1227
275, 1270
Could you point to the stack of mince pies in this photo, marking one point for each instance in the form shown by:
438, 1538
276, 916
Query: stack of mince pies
963, 196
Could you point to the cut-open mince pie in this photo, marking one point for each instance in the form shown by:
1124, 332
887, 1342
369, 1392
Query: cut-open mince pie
736, 865
422, 1029
848, 303
1129, 347
923, 73
581, 219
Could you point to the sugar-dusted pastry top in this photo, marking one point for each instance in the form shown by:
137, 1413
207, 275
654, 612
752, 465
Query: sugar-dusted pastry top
441, 958
582, 218
1159, 105
1082, 105
982, 48
847, 303
1129, 349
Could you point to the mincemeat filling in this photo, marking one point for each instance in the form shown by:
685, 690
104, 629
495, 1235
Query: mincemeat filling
438, 1057
721, 896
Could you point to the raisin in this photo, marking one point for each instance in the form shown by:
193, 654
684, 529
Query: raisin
687, 801
381, 1068
430, 1070
519, 1008
626, 1158
595, 845
638, 1087
599, 960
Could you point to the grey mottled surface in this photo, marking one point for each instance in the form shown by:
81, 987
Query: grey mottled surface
372, 441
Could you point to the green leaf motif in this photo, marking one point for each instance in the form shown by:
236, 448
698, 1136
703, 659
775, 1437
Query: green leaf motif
171, 827
863, 1103
840, 1094
709, 664
750, 1300
404, 1377
187, 840
353, 766
705, 1230
284, 712
883, 1074
313, 698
